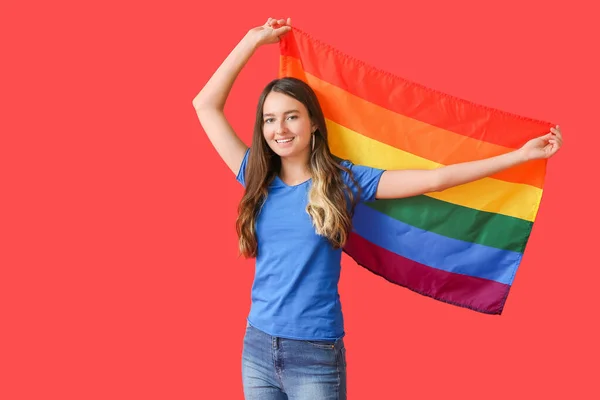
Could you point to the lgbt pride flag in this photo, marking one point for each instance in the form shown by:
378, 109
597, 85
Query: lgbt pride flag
462, 245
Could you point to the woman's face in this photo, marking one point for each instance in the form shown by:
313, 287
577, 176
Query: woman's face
287, 126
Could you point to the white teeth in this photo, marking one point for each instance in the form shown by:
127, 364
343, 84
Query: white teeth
284, 140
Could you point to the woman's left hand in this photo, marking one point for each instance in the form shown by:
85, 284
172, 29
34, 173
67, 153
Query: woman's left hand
544, 146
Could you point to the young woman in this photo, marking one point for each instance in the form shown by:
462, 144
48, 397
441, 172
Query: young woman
295, 216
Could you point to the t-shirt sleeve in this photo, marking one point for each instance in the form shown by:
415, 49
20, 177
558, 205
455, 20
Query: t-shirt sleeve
241, 176
366, 177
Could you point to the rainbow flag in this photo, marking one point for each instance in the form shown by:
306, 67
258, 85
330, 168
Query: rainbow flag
462, 245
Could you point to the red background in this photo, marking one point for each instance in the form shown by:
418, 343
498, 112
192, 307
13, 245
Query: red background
119, 271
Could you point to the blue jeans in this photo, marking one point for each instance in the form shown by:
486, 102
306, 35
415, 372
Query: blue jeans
284, 369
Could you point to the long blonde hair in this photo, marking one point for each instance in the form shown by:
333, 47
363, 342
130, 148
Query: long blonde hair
330, 202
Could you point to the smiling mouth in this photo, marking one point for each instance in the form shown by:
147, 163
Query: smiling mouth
284, 140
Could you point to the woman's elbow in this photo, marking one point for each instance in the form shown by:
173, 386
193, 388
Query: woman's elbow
437, 181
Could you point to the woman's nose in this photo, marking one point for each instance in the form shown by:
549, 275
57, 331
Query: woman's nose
280, 128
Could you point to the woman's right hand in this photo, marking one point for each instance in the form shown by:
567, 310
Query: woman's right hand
270, 32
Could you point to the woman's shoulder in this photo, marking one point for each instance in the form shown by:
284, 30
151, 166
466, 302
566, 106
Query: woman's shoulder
365, 176
357, 168
344, 163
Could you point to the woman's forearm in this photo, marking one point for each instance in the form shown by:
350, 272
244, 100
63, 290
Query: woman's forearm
458, 174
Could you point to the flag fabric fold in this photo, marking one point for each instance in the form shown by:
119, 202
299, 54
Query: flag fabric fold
463, 245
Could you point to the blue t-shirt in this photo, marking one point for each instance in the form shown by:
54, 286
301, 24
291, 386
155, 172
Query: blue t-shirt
295, 289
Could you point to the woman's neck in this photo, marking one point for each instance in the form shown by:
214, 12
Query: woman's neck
294, 171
